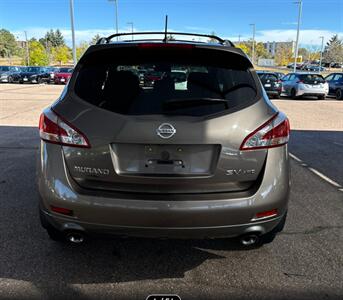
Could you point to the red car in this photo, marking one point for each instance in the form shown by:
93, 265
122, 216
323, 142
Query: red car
62, 75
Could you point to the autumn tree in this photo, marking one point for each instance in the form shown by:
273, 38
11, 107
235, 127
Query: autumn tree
283, 54
80, 49
37, 54
61, 54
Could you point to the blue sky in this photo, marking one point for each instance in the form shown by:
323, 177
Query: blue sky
274, 19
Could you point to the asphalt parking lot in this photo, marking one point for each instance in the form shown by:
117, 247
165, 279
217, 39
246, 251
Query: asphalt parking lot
304, 262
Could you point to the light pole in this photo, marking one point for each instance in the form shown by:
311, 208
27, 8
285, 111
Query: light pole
72, 29
131, 23
321, 54
253, 42
300, 3
116, 14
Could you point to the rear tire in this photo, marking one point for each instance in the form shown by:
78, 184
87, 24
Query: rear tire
293, 94
339, 94
321, 97
277, 96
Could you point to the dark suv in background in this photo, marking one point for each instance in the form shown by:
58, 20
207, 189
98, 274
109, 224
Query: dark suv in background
35, 75
271, 83
335, 82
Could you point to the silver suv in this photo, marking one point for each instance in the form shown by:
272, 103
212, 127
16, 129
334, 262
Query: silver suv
297, 85
204, 159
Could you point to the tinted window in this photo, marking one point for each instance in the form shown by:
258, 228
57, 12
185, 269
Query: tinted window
267, 76
115, 85
5, 69
311, 78
338, 77
33, 69
65, 70
329, 77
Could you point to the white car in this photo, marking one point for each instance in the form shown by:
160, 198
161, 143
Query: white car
297, 85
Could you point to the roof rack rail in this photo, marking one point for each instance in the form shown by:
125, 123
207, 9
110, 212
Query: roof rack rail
107, 40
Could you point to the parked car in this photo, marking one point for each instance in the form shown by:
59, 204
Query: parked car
34, 75
298, 67
314, 68
6, 72
150, 77
337, 65
209, 161
14, 77
62, 75
297, 85
271, 83
335, 81
51, 71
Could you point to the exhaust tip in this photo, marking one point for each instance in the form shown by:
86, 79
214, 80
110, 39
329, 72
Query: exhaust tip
75, 237
249, 239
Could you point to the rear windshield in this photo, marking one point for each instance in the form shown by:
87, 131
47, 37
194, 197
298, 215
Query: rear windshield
33, 69
271, 77
64, 70
311, 78
166, 83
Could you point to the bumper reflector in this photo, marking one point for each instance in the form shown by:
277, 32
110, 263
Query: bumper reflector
62, 210
266, 214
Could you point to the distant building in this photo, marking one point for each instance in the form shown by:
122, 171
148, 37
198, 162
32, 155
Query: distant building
21, 44
272, 47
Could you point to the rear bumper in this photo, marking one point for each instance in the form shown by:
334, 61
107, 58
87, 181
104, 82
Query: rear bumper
210, 217
312, 92
66, 224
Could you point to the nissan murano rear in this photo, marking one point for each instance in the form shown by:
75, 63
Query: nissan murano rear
163, 139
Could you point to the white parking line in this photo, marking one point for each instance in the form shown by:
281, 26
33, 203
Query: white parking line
314, 171
339, 144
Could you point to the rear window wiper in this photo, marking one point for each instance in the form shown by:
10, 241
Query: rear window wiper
177, 103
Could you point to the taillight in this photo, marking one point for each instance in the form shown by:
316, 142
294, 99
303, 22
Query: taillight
273, 133
55, 130
300, 81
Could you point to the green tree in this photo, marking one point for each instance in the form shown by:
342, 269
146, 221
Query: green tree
8, 44
38, 56
80, 49
333, 51
61, 54
95, 39
52, 39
